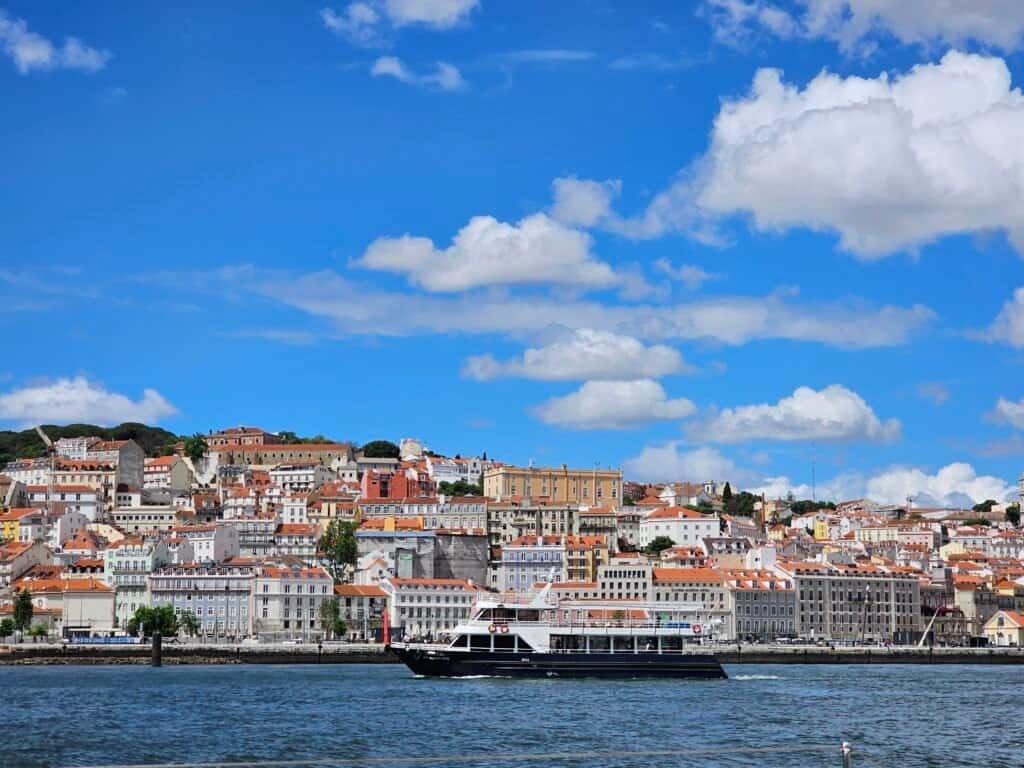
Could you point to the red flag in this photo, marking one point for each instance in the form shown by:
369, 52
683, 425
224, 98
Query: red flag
387, 630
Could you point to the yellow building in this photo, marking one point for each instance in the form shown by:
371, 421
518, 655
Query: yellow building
10, 522
570, 486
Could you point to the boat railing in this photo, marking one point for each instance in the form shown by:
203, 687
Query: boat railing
593, 623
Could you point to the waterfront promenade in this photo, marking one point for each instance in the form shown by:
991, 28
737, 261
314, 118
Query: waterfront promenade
353, 653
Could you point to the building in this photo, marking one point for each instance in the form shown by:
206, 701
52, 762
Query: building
416, 553
427, 607
171, 472
144, 519
85, 605
762, 605
126, 568
240, 436
1005, 628
126, 456
296, 539
218, 595
854, 602
337, 456
464, 513
401, 483
593, 487
363, 609
704, 594
510, 519
211, 542
683, 494
288, 600
528, 560
16, 557
301, 476
72, 498
256, 534
625, 579
682, 525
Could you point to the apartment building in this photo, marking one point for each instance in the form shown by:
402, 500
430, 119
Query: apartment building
288, 600
427, 607
595, 487
219, 595
126, 568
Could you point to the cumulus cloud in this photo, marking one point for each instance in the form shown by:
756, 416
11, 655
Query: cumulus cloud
854, 24
364, 22
30, 51
888, 163
670, 462
613, 405
582, 202
585, 353
446, 76
690, 275
66, 401
833, 413
486, 251
1009, 412
1008, 327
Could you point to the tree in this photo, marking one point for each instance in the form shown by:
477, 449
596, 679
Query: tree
338, 545
6, 628
330, 618
984, 507
459, 488
23, 610
741, 504
196, 447
1013, 514
189, 623
658, 545
381, 449
726, 493
38, 631
161, 619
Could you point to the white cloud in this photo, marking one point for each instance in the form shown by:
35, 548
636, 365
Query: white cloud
953, 485
358, 23
581, 202
547, 56
583, 354
889, 164
832, 413
613, 405
66, 401
668, 463
1010, 412
30, 51
853, 23
440, 14
690, 275
446, 77
1008, 327
486, 252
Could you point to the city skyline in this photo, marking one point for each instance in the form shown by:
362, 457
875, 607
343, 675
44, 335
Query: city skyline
721, 240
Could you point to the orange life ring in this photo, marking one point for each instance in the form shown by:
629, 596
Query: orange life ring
492, 629
504, 629
696, 629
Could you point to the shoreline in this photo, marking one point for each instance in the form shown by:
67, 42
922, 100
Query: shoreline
57, 655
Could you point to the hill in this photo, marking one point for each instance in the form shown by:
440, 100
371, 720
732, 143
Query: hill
155, 441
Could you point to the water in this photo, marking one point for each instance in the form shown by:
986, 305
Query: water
904, 716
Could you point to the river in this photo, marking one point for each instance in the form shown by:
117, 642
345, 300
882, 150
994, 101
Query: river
894, 716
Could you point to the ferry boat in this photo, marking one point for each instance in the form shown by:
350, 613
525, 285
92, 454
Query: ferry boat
510, 636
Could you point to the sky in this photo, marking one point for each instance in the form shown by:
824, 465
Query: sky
777, 243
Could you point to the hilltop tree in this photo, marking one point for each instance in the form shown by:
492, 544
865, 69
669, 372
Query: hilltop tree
726, 493
381, 449
658, 545
23, 610
459, 488
338, 545
984, 507
196, 447
1013, 514
741, 504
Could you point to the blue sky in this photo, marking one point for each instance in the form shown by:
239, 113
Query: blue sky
730, 239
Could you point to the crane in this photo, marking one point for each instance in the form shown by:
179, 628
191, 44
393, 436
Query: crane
51, 452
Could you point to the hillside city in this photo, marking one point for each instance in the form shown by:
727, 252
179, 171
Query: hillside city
246, 535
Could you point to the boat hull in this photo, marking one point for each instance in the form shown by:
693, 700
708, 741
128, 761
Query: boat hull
449, 663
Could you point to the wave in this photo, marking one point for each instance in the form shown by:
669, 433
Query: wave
755, 677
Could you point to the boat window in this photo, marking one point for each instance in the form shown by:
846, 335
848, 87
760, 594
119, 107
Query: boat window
525, 647
504, 642
480, 642
529, 615
483, 615
462, 641
599, 644
671, 643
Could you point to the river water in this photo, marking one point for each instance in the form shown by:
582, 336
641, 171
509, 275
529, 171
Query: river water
893, 715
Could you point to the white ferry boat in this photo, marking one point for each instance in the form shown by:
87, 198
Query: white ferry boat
515, 636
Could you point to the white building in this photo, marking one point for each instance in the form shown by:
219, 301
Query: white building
73, 498
465, 513
301, 476
126, 568
220, 596
167, 472
684, 526
212, 542
427, 607
288, 600
296, 539
527, 561
295, 508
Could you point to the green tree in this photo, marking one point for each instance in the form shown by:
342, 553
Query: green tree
189, 622
196, 447
6, 628
741, 504
726, 493
161, 619
658, 545
984, 507
330, 618
338, 545
23, 610
38, 631
1013, 514
381, 449
459, 488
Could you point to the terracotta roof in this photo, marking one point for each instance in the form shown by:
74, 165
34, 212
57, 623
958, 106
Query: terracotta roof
358, 590
674, 513
687, 575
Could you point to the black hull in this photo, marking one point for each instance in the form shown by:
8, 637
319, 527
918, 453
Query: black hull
445, 663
